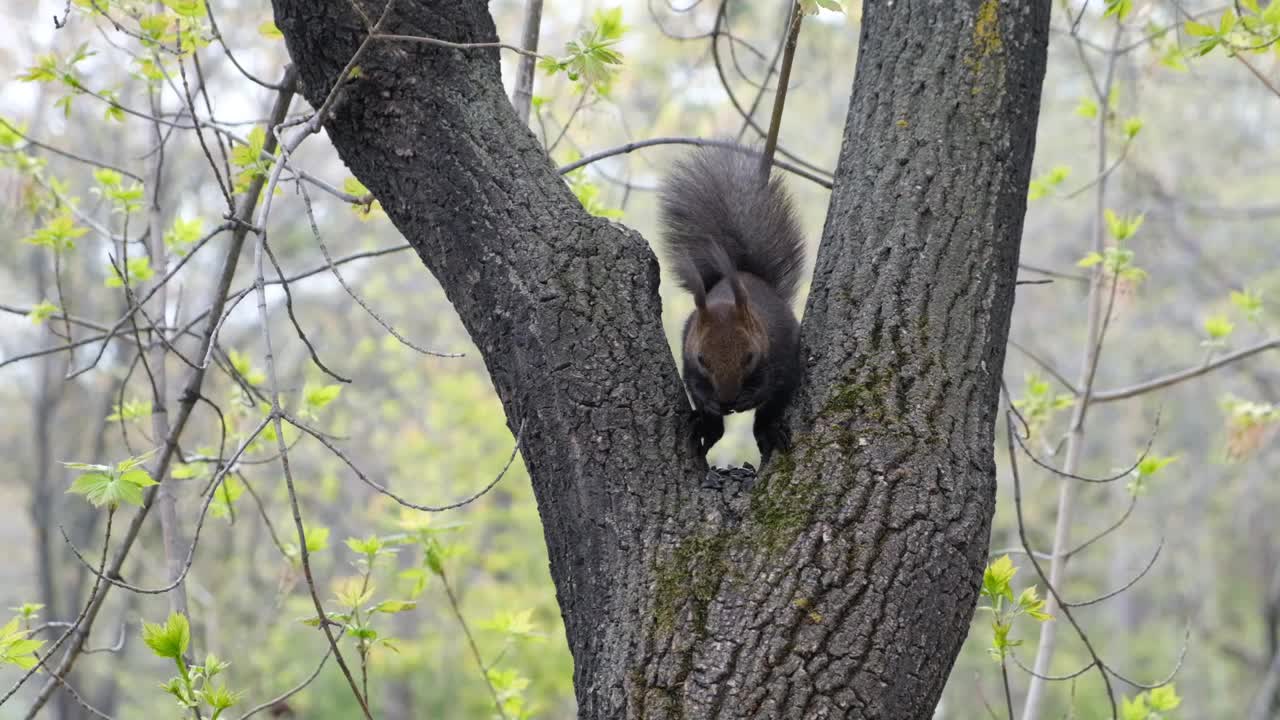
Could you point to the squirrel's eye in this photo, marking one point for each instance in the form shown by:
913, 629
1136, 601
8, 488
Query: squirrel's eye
702, 360
748, 358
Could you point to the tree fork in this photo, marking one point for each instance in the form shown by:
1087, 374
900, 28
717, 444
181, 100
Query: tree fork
842, 582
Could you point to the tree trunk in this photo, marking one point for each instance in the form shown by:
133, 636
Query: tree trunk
842, 582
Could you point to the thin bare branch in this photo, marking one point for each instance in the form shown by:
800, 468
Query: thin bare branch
385, 491
638, 144
1107, 596
794, 20
471, 642
1184, 375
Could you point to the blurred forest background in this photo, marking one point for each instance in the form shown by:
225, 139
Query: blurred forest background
1192, 149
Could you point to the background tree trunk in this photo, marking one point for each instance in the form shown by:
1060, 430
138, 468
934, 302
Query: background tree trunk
842, 582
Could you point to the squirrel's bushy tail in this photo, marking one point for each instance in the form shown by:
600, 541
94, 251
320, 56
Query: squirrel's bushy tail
713, 206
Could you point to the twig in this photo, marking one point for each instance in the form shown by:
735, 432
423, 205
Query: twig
733, 99
1046, 365
69, 155
638, 144
1063, 473
292, 691
297, 326
385, 491
333, 268
471, 641
1053, 591
1175, 378
1107, 596
779, 101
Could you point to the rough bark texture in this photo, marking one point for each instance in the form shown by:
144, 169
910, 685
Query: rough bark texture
841, 583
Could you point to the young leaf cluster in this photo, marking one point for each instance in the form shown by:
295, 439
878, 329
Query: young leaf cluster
193, 687
591, 60
16, 648
1117, 259
997, 590
112, 485
1151, 704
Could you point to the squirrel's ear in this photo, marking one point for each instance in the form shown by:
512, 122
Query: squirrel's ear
699, 297
740, 297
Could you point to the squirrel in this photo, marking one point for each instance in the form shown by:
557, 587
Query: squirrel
734, 243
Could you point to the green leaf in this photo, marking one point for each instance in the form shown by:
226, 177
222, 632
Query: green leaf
1173, 58
433, 558
219, 697
59, 233
1227, 23
369, 546
268, 29
185, 471
225, 496
364, 211
1135, 708
609, 23
138, 269
996, 579
1088, 108
588, 194
246, 155
317, 539
169, 640
187, 8
1122, 228
1218, 327
42, 312
517, 624
354, 592
28, 611
394, 606
1119, 8
1248, 302
240, 363
45, 69
155, 27
15, 648
212, 665
111, 487
1196, 29
1089, 260
1132, 127
1030, 603
130, 410
108, 178
184, 232
1152, 464
11, 133
1164, 699
317, 397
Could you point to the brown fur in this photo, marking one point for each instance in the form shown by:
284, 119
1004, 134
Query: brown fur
727, 342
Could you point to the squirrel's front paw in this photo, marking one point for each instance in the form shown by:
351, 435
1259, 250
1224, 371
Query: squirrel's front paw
707, 430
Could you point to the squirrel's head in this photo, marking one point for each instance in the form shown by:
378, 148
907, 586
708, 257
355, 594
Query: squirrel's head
725, 348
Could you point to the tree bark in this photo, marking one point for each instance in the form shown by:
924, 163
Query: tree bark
842, 582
